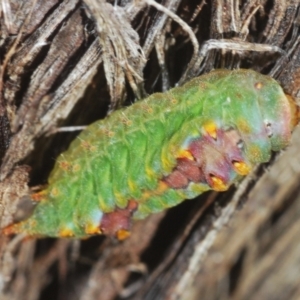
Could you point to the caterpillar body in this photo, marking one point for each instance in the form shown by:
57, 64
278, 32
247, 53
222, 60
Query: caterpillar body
154, 154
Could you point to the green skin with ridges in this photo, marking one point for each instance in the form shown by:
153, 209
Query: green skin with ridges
125, 155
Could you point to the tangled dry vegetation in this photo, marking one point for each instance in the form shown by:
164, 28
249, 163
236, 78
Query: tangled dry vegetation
70, 62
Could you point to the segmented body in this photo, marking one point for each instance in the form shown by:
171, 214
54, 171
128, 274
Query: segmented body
156, 153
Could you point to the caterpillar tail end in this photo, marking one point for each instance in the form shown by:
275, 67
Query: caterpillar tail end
13, 229
25, 227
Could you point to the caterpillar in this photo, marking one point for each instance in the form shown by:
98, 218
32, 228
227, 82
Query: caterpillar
205, 135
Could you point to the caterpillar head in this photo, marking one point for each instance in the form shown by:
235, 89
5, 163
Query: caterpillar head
280, 113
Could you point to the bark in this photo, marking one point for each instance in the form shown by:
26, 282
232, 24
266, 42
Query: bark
70, 62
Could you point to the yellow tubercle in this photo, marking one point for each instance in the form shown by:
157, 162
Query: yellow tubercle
211, 128
185, 154
241, 168
92, 229
146, 195
66, 232
122, 234
243, 126
258, 85
218, 184
54, 192
161, 188
254, 153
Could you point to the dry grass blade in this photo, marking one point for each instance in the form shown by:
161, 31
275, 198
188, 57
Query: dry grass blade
121, 52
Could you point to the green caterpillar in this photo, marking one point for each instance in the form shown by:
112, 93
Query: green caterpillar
154, 154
